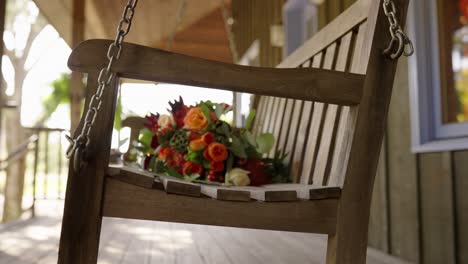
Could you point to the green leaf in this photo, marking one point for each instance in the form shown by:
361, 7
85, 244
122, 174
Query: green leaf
206, 111
265, 143
146, 136
249, 138
238, 148
172, 172
250, 119
192, 177
219, 110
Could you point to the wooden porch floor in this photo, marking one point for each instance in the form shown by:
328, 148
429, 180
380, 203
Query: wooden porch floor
130, 241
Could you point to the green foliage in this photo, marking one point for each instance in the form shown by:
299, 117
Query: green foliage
277, 168
60, 94
250, 119
265, 143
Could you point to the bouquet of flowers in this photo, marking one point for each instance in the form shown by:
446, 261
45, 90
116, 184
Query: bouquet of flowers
194, 143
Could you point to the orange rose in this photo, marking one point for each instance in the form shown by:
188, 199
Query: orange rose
192, 168
195, 119
217, 152
197, 145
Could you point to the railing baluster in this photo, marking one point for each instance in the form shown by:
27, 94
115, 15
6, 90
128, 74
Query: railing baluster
59, 173
36, 157
46, 163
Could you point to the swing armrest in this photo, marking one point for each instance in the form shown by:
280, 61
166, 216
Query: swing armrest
144, 63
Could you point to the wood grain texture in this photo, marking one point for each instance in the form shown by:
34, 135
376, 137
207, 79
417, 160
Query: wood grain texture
328, 130
350, 242
128, 201
403, 190
378, 222
226, 193
285, 125
143, 63
437, 212
347, 21
133, 176
460, 186
174, 186
79, 240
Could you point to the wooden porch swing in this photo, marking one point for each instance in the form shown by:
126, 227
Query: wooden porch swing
326, 104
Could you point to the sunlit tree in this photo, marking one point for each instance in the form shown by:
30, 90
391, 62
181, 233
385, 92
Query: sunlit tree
23, 25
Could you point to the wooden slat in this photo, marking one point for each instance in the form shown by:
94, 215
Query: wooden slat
314, 135
133, 176
174, 186
347, 118
293, 130
143, 63
274, 115
309, 192
225, 193
312, 144
128, 201
316, 128
302, 134
300, 140
348, 20
269, 194
268, 114
258, 124
278, 128
285, 125
330, 129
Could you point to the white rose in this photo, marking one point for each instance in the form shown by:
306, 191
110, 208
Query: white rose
238, 177
166, 121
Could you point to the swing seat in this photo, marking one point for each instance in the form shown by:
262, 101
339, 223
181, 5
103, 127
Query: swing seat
326, 104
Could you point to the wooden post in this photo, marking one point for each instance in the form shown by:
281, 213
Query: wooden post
76, 85
81, 225
2, 28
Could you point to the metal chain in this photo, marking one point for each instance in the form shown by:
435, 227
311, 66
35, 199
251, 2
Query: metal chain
400, 44
78, 146
178, 22
228, 23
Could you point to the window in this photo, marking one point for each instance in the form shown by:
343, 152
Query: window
439, 75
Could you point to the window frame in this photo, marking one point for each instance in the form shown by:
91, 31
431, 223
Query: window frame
429, 133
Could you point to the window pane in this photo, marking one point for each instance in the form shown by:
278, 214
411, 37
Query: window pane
453, 28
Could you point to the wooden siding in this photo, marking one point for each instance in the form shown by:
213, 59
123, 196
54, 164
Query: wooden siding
253, 19
420, 203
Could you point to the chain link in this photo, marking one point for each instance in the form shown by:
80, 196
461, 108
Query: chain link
78, 146
400, 44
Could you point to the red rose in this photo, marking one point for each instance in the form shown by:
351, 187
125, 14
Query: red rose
257, 174
147, 161
151, 122
217, 166
154, 141
208, 138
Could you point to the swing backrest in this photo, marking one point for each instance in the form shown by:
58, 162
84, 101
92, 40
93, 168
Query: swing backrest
333, 135
318, 136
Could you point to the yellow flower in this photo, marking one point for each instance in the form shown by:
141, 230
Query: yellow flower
195, 119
